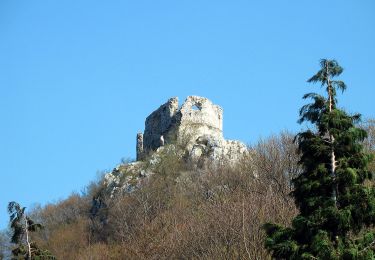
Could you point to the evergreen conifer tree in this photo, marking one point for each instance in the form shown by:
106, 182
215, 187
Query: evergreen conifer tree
334, 193
22, 226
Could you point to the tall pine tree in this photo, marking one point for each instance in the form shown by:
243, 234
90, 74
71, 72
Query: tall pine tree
334, 193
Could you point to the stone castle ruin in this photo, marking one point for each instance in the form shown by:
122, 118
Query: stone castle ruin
197, 125
195, 128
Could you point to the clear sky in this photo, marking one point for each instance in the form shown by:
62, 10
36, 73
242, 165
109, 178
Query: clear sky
79, 77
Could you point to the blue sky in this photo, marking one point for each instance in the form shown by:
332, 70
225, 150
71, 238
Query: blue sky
78, 78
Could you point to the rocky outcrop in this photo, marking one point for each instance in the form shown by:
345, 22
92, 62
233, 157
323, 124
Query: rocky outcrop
126, 177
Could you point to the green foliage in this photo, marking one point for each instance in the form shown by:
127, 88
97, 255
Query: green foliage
337, 209
17, 215
21, 253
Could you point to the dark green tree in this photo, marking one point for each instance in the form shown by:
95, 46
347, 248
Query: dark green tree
333, 193
22, 226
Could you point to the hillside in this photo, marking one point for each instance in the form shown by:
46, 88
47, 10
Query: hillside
180, 200
194, 195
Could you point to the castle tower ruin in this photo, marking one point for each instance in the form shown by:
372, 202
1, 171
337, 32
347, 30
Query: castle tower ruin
198, 123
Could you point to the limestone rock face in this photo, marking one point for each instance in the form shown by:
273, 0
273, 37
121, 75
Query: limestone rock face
197, 127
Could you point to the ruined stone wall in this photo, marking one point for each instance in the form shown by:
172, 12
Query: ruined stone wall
140, 152
159, 123
199, 117
201, 111
198, 124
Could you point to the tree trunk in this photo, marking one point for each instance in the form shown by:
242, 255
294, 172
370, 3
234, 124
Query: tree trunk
27, 239
332, 138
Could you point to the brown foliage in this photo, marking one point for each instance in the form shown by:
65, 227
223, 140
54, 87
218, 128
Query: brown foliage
215, 213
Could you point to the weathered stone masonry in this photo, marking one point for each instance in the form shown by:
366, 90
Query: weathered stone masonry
199, 123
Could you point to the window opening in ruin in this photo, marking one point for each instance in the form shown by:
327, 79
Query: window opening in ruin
195, 107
